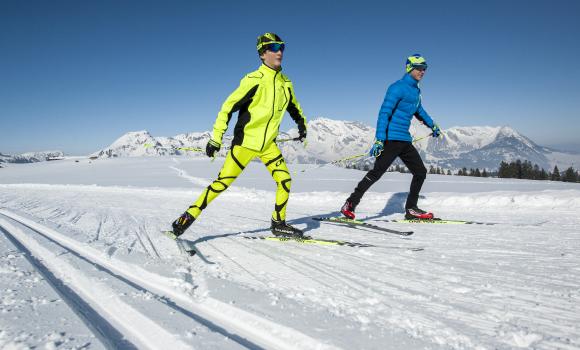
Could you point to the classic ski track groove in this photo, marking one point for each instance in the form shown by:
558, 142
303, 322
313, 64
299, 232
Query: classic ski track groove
252, 336
94, 314
102, 328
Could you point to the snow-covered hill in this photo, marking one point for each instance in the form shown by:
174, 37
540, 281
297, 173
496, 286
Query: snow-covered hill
30, 157
328, 140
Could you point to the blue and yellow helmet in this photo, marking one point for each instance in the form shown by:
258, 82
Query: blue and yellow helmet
415, 61
266, 39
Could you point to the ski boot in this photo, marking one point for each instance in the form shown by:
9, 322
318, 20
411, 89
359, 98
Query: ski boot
415, 213
282, 229
181, 224
348, 210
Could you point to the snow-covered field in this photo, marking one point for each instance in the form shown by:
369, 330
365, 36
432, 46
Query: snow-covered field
83, 263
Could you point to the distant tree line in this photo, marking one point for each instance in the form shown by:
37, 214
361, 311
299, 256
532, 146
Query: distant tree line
525, 170
515, 170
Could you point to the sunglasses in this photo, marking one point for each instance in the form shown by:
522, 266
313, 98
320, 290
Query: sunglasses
275, 47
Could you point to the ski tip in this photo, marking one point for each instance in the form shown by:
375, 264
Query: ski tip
170, 234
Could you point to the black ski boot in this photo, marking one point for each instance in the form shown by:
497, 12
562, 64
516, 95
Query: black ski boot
281, 228
182, 223
415, 213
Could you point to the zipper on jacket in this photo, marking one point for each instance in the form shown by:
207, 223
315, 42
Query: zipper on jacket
272, 116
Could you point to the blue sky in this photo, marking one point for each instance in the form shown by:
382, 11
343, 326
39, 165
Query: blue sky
76, 75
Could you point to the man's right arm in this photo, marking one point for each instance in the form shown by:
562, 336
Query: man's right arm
233, 103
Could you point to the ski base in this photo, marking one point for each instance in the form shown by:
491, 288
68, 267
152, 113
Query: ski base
354, 223
310, 240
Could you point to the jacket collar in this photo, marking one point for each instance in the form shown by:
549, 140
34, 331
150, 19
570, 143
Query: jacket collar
267, 70
407, 78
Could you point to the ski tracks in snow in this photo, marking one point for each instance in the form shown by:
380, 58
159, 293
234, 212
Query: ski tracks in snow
97, 296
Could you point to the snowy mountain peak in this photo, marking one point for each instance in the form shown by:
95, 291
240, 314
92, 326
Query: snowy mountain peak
329, 140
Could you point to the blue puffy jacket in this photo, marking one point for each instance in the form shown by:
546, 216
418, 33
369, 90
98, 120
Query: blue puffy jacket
402, 102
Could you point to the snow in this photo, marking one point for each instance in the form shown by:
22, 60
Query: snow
84, 264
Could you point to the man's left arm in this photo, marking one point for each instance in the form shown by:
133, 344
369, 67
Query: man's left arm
296, 113
424, 117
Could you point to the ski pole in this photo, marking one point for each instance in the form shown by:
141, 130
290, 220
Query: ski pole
304, 143
426, 136
193, 149
337, 161
288, 140
422, 138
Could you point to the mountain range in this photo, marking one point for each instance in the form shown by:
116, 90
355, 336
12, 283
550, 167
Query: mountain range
30, 157
329, 140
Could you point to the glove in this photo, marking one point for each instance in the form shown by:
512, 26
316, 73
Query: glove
377, 148
301, 135
212, 147
436, 130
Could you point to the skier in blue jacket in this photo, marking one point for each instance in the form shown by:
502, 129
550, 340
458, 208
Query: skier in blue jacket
402, 103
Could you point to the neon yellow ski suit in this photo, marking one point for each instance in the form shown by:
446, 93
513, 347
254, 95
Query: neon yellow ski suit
261, 99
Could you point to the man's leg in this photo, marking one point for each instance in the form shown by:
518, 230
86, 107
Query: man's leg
272, 158
382, 163
236, 160
274, 161
414, 163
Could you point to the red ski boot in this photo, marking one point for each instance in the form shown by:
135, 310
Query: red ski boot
415, 213
348, 210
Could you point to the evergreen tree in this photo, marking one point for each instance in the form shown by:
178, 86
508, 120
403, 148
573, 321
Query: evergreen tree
484, 173
518, 169
555, 174
536, 172
570, 175
431, 169
527, 170
448, 172
477, 172
503, 171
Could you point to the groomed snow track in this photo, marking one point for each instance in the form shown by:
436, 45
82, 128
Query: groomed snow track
112, 320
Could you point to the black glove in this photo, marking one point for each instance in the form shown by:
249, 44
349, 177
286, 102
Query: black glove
301, 134
212, 147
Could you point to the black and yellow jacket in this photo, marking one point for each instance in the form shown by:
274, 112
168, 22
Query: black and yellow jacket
261, 98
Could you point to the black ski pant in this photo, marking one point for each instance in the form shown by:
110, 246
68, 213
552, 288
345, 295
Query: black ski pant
412, 161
